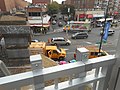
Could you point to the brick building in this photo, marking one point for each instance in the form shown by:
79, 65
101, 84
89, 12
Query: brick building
81, 4
41, 1
21, 3
6, 6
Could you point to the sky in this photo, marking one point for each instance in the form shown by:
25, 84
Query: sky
59, 1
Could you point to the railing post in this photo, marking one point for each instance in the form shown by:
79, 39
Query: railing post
115, 75
82, 55
4, 68
36, 63
103, 84
96, 75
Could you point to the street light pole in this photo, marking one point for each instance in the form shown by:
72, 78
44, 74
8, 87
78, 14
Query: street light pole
41, 17
106, 11
68, 20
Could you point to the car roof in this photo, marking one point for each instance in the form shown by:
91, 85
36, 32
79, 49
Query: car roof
80, 32
35, 40
111, 29
58, 38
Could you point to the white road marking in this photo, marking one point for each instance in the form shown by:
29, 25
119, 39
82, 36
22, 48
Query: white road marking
111, 51
66, 49
70, 52
88, 42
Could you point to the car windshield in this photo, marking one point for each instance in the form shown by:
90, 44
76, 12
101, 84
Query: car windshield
76, 33
58, 50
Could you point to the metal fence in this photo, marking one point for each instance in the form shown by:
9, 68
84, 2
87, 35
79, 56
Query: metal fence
76, 73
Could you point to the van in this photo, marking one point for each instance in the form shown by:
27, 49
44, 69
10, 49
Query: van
80, 35
55, 52
59, 41
110, 32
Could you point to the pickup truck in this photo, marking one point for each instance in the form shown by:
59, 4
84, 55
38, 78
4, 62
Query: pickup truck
52, 52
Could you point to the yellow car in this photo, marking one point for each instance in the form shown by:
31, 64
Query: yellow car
67, 27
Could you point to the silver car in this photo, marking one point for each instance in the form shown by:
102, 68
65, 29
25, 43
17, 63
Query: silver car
110, 32
59, 41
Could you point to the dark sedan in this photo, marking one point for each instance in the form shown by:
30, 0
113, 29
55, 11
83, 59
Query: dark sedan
80, 35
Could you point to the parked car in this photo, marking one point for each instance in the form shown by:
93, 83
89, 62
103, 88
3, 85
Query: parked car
59, 41
110, 32
80, 35
114, 23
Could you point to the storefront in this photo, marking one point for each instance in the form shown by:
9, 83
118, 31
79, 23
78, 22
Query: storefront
39, 25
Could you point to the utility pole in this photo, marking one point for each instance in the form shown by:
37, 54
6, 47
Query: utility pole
106, 11
68, 21
41, 17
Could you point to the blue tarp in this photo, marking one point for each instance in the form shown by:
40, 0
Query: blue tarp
107, 27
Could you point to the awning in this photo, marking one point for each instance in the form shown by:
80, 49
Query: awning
89, 16
39, 25
82, 15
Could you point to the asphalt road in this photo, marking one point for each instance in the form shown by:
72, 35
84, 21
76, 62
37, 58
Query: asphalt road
94, 37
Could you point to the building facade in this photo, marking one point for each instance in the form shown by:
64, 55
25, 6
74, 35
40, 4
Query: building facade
41, 1
6, 6
38, 20
95, 7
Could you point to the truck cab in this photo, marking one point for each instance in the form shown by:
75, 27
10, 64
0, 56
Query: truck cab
55, 53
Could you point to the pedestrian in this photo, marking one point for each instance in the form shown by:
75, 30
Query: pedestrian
45, 30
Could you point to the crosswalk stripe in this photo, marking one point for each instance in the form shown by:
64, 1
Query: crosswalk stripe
88, 42
66, 49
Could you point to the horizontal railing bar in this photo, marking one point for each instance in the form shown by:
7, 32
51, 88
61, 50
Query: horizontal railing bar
17, 80
26, 78
101, 61
76, 82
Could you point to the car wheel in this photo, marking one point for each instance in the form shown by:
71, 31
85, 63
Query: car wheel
67, 44
61, 58
55, 44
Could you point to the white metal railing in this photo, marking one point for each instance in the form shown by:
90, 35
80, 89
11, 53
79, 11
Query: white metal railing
76, 72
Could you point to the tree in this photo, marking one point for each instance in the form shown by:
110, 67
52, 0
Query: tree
64, 10
53, 8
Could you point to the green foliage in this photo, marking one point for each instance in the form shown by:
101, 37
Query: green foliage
64, 9
53, 8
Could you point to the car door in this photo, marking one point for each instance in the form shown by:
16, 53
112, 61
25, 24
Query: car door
57, 41
79, 35
63, 42
55, 54
83, 35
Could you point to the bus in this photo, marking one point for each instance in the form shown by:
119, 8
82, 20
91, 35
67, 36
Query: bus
100, 22
78, 26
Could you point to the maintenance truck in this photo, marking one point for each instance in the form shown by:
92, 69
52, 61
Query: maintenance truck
93, 52
52, 52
